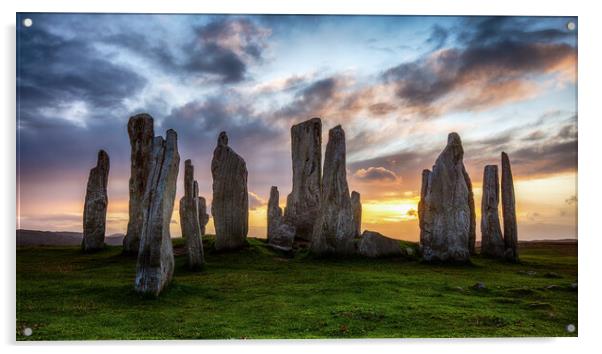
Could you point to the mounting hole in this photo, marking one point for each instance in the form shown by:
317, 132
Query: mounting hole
27, 331
570, 328
27, 22
571, 26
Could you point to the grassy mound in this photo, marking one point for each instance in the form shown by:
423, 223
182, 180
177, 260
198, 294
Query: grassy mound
260, 293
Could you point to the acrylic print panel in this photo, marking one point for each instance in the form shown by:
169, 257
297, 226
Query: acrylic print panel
247, 176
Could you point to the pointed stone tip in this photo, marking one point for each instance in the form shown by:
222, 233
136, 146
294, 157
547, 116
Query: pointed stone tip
188, 162
141, 115
454, 138
222, 139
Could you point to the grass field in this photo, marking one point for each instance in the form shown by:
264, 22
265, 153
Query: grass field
63, 294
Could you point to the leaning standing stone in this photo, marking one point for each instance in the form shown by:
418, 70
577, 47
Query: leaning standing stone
492, 242
334, 231
230, 205
472, 233
445, 212
155, 265
140, 131
356, 206
189, 219
95, 206
509, 211
303, 203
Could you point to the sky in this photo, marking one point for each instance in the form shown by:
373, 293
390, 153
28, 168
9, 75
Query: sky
398, 85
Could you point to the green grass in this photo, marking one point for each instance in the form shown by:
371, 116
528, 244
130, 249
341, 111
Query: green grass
63, 294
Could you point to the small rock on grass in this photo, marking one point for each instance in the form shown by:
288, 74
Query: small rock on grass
479, 286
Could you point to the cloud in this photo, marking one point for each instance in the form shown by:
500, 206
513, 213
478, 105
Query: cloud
571, 200
375, 174
225, 47
255, 201
490, 68
438, 36
67, 80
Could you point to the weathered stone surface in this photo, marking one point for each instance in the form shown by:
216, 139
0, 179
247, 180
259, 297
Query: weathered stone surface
230, 206
472, 232
373, 245
281, 235
203, 216
492, 241
189, 219
445, 214
154, 269
95, 205
356, 206
303, 203
140, 131
334, 231
509, 211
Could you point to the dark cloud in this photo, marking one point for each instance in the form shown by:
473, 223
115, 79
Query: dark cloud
375, 174
54, 73
311, 100
438, 37
494, 64
224, 47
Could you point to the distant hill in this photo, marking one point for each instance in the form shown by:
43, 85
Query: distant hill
59, 238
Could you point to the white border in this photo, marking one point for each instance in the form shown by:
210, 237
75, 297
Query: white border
589, 169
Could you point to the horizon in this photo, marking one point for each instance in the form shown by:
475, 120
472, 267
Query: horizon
397, 85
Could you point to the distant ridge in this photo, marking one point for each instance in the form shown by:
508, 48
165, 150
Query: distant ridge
59, 238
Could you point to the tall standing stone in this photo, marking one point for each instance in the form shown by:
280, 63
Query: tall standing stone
303, 203
274, 212
154, 269
356, 206
95, 205
203, 216
140, 131
445, 216
422, 210
230, 205
334, 231
492, 242
189, 219
472, 233
509, 211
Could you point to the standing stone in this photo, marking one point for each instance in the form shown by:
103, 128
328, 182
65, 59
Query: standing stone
140, 131
274, 212
445, 216
303, 203
281, 235
356, 206
155, 265
203, 216
189, 219
492, 242
334, 230
472, 234
422, 215
230, 206
509, 211
95, 205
